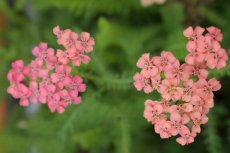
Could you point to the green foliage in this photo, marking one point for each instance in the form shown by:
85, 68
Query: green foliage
119, 6
173, 18
110, 118
212, 138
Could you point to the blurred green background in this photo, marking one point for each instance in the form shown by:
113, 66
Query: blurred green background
110, 119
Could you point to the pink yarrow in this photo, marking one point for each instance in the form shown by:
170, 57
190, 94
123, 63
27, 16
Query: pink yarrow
48, 79
187, 94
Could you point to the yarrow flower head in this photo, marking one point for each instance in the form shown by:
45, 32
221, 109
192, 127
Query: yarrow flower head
186, 91
47, 79
146, 3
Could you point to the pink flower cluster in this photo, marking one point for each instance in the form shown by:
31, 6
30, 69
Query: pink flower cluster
146, 3
48, 79
186, 91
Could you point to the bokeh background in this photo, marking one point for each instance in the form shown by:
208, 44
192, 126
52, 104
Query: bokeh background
110, 119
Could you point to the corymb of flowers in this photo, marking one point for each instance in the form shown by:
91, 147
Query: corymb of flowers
47, 79
186, 91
